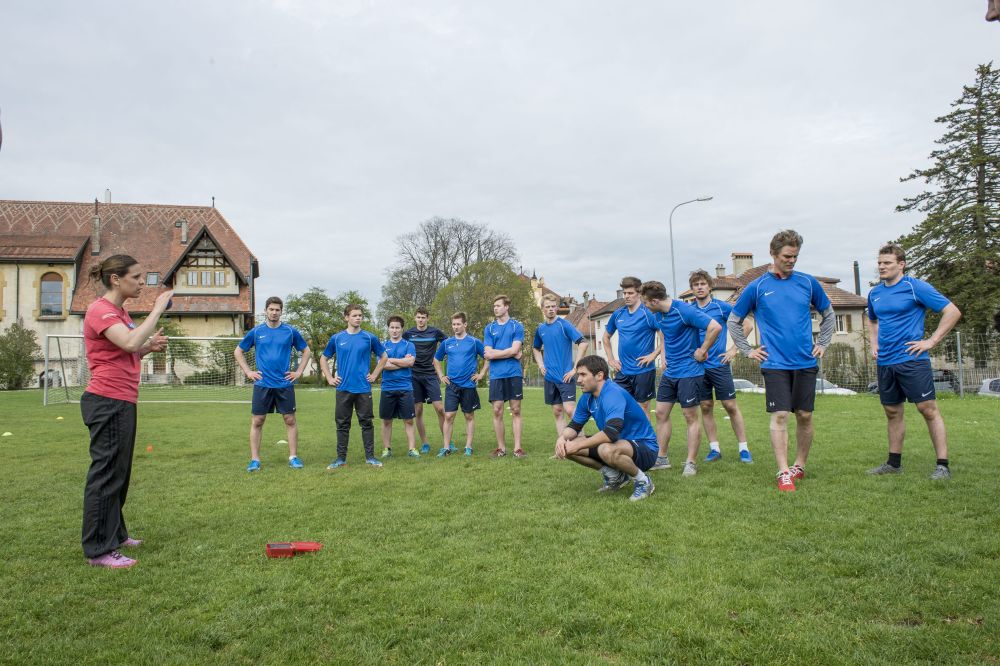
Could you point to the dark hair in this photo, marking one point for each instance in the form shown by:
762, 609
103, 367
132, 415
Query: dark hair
502, 297
274, 299
422, 310
893, 249
351, 307
653, 290
393, 318
594, 364
116, 264
788, 237
630, 282
700, 275
460, 315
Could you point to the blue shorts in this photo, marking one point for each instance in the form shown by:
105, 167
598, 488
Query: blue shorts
454, 396
396, 405
556, 393
721, 379
685, 390
507, 388
426, 388
910, 380
267, 400
643, 456
641, 386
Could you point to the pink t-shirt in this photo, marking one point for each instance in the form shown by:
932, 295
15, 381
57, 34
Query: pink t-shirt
114, 371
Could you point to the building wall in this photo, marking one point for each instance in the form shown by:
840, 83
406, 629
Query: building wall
24, 303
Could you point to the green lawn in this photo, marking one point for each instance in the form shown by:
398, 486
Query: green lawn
502, 561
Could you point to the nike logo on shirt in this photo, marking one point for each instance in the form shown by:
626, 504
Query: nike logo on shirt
768, 293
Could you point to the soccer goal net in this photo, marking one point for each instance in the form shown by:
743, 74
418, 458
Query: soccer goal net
192, 369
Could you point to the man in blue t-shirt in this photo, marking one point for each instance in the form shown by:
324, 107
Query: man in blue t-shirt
634, 367
896, 308
426, 387
353, 349
782, 300
553, 348
273, 388
684, 352
463, 353
502, 340
396, 401
718, 373
624, 446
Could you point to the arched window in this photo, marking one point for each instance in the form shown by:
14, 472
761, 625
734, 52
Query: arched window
52, 295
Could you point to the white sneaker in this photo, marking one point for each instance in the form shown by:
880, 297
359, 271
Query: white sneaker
662, 462
689, 469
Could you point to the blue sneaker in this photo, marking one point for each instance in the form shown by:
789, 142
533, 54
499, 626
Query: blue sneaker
468, 451
374, 462
745, 457
445, 451
254, 466
451, 448
642, 490
412, 453
339, 462
426, 448
295, 463
713, 455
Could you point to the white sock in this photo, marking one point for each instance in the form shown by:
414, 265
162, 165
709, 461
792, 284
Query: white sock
608, 472
744, 447
641, 477
290, 457
714, 446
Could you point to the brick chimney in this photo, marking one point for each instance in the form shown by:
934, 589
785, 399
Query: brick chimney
95, 232
742, 262
183, 226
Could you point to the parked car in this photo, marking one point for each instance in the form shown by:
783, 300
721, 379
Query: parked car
945, 381
872, 388
827, 387
746, 386
990, 387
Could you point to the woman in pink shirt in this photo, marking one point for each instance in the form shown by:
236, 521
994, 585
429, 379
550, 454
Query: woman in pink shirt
114, 346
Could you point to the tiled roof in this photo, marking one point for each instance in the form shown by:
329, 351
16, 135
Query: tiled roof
580, 317
48, 247
144, 231
838, 297
608, 308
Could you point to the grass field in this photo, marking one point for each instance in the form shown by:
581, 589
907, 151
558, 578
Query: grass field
502, 561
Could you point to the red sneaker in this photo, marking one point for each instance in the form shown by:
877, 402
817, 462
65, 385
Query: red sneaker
785, 482
498, 453
519, 453
797, 472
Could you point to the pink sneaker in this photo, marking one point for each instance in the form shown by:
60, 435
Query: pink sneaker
132, 543
112, 560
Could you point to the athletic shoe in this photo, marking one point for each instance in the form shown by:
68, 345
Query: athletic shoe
745, 456
713, 455
295, 463
339, 462
451, 447
445, 451
468, 451
940, 473
785, 481
254, 466
498, 453
374, 462
132, 543
885, 468
642, 490
112, 560
613, 483
386, 453
662, 462
519, 453
797, 471
412, 453
690, 469
426, 448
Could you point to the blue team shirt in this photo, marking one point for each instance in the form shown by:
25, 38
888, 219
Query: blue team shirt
353, 352
274, 349
426, 343
615, 403
501, 337
681, 325
899, 311
402, 379
556, 341
636, 337
719, 311
781, 309
462, 362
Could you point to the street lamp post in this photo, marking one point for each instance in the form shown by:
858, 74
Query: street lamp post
673, 268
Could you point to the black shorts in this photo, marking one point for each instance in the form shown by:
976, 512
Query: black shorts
641, 386
426, 388
790, 390
643, 456
721, 379
267, 400
396, 405
507, 388
909, 380
685, 390
454, 396
556, 393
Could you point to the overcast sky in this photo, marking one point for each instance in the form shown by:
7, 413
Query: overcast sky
325, 129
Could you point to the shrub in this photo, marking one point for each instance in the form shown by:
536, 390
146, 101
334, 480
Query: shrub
18, 349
